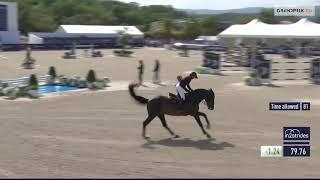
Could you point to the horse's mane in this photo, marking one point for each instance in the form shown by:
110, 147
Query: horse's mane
200, 91
195, 91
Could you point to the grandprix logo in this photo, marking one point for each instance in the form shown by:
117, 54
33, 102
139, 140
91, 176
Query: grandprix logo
294, 11
296, 133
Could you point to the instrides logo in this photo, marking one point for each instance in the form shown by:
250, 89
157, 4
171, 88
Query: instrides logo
295, 134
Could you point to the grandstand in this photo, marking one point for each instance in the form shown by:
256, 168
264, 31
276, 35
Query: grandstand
9, 33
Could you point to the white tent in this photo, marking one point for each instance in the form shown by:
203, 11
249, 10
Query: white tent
303, 29
207, 38
69, 32
92, 29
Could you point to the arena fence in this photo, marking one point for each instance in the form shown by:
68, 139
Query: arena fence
24, 81
212, 61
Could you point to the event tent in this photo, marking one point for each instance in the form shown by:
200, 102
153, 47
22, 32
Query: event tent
85, 34
92, 29
303, 29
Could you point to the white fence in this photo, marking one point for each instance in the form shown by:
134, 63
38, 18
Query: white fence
25, 81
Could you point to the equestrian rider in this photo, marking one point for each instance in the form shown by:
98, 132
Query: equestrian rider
184, 85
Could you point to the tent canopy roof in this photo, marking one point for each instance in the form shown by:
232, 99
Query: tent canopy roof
303, 29
93, 29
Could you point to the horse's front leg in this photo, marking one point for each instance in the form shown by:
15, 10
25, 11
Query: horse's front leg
201, 126
206, 118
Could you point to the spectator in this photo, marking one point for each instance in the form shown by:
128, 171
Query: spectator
140, 72
156, 70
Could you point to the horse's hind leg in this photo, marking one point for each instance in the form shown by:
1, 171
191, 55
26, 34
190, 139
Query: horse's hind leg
206, 118
165, 125
145, 123
200, 124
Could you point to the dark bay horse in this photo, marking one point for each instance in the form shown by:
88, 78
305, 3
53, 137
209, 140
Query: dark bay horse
161, 105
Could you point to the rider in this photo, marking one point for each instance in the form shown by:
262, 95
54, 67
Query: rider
184, 86
179, 78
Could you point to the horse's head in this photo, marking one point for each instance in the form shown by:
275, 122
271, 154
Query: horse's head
210, 99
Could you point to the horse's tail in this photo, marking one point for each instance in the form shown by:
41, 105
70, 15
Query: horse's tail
139, 99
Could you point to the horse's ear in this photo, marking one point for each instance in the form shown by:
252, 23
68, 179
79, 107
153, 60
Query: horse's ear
211, 91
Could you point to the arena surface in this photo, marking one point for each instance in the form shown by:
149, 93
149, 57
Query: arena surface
98, 134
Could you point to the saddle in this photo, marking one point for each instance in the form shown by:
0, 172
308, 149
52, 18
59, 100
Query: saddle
176, 99
173, 96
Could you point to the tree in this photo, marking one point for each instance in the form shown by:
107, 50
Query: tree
33, 82
46, 15
209, 25
52, 72
167, 27
317, 19
123, 39
193, 29
243, 20
134, 4
119, 13
91, 77
133, 18
44, 21
267, 16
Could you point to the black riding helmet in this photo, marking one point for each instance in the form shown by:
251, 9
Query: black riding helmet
194, 74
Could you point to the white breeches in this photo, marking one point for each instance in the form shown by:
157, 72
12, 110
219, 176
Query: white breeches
181, 91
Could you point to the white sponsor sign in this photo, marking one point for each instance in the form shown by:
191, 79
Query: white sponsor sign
271, 151
295, 11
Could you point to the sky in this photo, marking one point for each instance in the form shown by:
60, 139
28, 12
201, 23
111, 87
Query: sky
226, 4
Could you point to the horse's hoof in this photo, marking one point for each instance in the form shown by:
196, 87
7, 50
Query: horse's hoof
208, 136
176, 136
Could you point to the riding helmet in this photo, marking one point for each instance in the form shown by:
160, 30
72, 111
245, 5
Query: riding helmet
194, 74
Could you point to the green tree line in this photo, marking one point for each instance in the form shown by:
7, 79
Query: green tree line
47, 15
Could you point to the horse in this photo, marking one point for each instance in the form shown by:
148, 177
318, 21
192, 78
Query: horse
161, 106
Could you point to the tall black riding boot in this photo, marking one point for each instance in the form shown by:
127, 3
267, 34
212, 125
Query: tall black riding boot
181, 103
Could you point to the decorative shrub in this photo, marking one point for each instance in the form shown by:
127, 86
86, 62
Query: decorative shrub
253, 75
247, 80
250, 81
82, 84
106, 81
23, 91
52, 72
124, 39
123, 53
4, 85
91, 77
33, 82
13, 94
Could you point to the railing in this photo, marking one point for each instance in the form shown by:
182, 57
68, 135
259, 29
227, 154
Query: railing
25, 81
